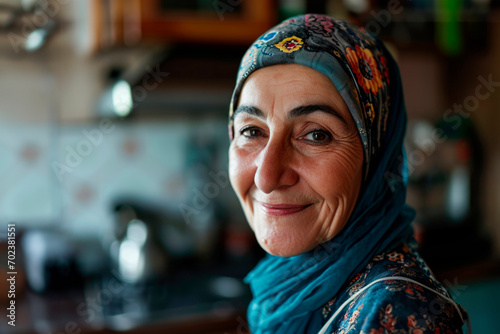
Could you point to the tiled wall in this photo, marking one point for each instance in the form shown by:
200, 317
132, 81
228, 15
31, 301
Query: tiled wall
27, 186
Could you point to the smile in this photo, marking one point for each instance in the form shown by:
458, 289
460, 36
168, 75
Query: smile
282, 209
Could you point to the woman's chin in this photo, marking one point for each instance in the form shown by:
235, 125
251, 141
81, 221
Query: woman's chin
284, 246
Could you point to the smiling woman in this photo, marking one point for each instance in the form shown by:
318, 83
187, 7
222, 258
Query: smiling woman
294, 131
317, 123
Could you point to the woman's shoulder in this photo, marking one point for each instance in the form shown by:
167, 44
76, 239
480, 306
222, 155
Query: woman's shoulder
396, 293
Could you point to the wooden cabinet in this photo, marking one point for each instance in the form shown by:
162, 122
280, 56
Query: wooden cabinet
126, 22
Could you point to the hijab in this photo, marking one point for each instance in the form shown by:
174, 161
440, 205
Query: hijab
289, 292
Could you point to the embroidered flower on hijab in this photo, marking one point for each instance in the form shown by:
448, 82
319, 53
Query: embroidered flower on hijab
269, 36
365, 67
319, 24
370, 112
290, 44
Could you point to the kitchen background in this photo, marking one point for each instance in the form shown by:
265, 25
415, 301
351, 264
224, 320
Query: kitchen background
113, 155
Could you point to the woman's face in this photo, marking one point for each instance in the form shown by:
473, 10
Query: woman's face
296, 160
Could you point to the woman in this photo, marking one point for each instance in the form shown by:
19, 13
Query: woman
317, 123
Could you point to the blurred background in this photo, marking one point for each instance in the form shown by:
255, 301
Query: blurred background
113, 156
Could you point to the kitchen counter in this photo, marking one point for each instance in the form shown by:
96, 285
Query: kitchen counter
70, 314
185, 304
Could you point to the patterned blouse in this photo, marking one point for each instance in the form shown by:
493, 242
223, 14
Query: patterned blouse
394, 307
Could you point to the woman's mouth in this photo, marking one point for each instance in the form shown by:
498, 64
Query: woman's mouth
282, 209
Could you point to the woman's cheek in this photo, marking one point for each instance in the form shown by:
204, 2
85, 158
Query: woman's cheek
241, 175
240, 170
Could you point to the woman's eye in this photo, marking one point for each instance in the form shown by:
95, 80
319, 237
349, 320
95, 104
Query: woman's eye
251, 132
318, 136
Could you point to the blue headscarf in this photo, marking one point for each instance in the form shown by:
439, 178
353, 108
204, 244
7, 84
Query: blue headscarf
289, 292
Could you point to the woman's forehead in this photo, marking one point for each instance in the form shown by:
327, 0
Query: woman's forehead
289, 86
292, 73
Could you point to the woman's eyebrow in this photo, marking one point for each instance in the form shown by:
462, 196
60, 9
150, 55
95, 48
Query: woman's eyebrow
295, 112
249, 110
308, 109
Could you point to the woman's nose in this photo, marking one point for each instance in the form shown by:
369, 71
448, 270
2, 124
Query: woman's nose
274, 168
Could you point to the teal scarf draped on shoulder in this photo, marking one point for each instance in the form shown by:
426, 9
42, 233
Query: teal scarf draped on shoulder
289, 292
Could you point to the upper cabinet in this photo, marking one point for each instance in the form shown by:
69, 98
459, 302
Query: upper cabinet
126, 22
